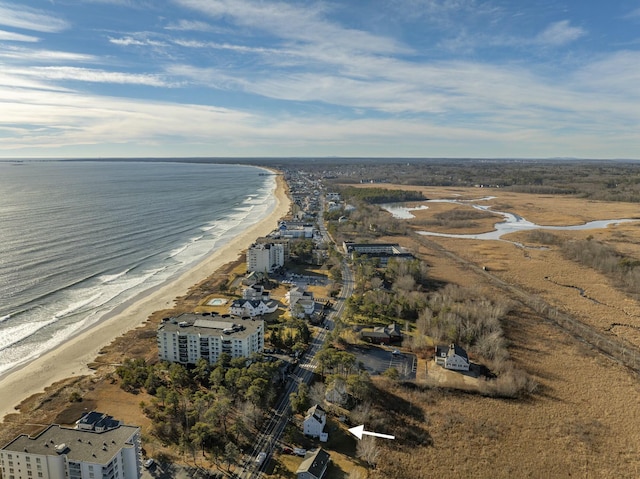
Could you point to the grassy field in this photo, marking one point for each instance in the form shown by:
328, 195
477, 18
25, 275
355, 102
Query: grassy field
582, 421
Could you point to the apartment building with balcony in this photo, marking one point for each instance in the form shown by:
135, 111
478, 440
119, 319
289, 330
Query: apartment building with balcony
189, 337
111, 452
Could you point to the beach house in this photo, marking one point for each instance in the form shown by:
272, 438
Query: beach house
252, 307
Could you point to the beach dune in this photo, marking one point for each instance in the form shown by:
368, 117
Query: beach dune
71, 358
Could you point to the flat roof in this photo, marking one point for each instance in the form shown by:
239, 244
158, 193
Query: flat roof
81, 445
210, 325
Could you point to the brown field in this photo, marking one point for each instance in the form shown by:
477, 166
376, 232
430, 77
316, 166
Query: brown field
583, 419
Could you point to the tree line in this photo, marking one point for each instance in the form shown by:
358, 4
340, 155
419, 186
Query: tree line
209, 410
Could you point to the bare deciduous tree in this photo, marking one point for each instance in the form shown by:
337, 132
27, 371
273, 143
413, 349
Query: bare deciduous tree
368, 450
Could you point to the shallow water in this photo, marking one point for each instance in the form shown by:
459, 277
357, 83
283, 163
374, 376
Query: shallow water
511, 223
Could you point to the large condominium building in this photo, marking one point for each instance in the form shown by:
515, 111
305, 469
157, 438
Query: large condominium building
189, 337
85, 452
265, 257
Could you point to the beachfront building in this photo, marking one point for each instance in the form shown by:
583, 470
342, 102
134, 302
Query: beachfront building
265, 257
274, 238
187, 338
108, 450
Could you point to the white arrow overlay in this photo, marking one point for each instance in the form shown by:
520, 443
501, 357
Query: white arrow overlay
358, 431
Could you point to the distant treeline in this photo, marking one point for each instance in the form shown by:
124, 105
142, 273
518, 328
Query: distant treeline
381, 195
606, 180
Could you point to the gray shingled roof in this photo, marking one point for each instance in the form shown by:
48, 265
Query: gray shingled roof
315, 463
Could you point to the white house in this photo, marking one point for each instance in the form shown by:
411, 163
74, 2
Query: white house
255, 291
304, 299
189, 337
452, 357
314, 466
252, 307
314, 422
75, 453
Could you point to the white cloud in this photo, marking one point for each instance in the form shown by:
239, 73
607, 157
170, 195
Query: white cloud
93, 76
17, 37
16, 83
133, 41
19, 16
616, 74
633, 14
190, 25
559, 33
293, 23
20, 55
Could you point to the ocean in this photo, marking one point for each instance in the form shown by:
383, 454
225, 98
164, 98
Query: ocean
79, 238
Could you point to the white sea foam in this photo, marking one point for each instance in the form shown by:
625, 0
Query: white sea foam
16, 333
63, 313
75, 306
108, 278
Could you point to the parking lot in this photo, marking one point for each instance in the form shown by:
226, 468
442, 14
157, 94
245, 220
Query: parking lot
377, 359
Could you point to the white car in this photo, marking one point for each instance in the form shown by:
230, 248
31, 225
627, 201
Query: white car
261, 457
148, 463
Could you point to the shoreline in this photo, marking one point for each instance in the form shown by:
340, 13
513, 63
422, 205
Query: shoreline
71, 359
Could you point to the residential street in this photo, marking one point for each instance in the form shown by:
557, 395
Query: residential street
271, 432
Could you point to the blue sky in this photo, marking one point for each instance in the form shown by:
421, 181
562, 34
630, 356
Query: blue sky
420, 78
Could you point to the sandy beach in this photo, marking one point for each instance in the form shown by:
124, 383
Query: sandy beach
71, 358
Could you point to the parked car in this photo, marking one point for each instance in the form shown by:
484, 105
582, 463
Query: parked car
148, 463
299, 452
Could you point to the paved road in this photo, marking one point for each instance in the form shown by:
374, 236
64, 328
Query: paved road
269, 436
